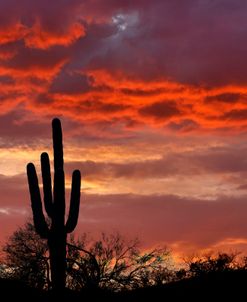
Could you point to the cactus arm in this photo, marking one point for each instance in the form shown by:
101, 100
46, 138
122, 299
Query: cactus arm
46, 176
74, 202
38, 216
57, 144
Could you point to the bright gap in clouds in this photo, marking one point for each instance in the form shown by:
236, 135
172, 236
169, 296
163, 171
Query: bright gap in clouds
124, 21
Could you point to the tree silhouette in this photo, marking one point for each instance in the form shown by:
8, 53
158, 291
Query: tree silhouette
213, 263
110, 262
114, 262
25, 258
54, 204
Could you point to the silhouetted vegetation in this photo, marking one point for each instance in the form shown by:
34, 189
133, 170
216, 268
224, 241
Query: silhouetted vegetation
25, 258
56, 233
114, 269
111, 262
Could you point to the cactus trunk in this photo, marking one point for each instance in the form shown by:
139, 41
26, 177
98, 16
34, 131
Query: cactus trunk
54, 204
57, 248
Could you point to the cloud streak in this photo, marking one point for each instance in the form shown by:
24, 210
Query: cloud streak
186, 224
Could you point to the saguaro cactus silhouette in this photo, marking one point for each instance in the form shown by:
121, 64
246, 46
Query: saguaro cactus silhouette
54, 204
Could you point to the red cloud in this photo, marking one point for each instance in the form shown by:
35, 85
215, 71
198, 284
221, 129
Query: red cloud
40, 38
98, 99
12, 33
104, 64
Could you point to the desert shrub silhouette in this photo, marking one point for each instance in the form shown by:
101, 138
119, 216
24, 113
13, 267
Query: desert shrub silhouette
56, 233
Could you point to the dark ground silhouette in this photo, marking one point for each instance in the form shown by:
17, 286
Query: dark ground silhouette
222, 286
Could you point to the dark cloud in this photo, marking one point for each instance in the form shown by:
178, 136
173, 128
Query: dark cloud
20, 129
111, 107
214, 160
6, 80
37, 62
235, 115
183, 42
70, 84
242, 187
142, 92
96, 106
168, 218
54, 16
185, 125
13, 125
228, 98
161, 110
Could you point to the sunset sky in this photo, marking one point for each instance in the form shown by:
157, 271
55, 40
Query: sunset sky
152, 96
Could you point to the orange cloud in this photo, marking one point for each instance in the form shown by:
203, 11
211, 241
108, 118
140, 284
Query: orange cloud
12, 33
100, 96
33, 65
103, 99
40, 38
